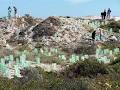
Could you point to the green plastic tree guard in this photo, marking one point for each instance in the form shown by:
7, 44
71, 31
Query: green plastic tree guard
111, 30
49, 54
17, 71
22, 59
18, 53
63, 57
54, 66
26, 64
41, 50
104, 59
6, 57
86, 56
56, 50
17, 61
77, 58
11, 57
97, 38
35, 51
82, 58
99, 51
38, 60
72, 60
116, 50
3, 61
106, 51
46, 49
111, 52
7, 72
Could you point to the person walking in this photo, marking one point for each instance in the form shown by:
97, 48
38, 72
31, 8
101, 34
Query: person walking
93, 36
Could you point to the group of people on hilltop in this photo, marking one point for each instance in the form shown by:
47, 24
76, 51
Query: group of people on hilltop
106, 15
10, 10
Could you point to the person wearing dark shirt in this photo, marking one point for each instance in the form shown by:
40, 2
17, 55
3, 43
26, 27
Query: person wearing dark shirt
9, 12
15, 11
93, 35
104, 17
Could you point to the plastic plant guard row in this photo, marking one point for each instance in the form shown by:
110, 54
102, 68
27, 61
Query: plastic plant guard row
107, 51
76, 58
104, 59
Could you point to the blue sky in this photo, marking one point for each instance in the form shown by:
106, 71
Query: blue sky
45, 8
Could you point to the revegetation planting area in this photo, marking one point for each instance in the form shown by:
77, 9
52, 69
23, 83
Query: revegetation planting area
58, 53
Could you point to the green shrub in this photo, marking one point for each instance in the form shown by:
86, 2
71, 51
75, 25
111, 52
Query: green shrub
32, 74
110, 45
114, 66
116, 61
87, 68
68, 84
32, 80
115, 25
30, 20
6, 84
114, 71
84, 49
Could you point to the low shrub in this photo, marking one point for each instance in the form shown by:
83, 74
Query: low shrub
87, 68
110, 45
68, 84
115, 25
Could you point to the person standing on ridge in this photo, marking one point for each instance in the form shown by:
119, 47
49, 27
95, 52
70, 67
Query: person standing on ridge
9, 12
15, 11
104, 17
108, 13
